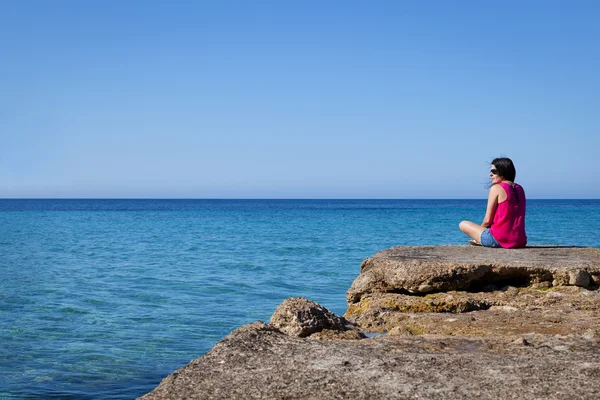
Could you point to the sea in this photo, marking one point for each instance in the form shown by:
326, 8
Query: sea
102, 299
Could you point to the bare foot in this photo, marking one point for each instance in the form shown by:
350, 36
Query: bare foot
474, 242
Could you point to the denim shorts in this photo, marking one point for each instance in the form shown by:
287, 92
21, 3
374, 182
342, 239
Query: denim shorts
487, 240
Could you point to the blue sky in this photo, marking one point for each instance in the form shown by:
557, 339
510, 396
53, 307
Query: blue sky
311, 99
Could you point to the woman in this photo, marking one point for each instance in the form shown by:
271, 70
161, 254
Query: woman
504, 222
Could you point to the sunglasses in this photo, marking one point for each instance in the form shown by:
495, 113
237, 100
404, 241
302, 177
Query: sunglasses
494, 171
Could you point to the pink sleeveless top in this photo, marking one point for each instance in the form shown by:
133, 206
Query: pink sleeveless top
508, 226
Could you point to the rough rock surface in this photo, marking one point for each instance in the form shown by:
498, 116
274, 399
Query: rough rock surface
516, 311
260, 362
513, 291
452, 322
301, 317
426, 269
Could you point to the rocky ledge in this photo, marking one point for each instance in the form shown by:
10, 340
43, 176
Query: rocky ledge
453, 322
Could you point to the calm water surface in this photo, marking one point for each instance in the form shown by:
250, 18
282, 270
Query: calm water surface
104, 298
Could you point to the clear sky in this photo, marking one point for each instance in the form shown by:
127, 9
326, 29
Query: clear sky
297, 99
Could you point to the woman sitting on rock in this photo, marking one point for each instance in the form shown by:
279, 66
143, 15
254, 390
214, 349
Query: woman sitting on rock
504, 222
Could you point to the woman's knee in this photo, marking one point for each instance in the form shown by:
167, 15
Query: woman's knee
463, 226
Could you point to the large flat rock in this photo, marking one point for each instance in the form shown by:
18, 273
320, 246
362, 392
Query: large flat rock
259, 362
427, 269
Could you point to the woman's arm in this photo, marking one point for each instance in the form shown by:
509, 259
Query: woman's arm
491, 206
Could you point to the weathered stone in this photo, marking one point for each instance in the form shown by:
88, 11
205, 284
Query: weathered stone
259, 362
521, 342
328, 334
591, 334
510, 290
400, 331
425, 269
542, 285
301, 317
497, 312
459, 302
503, 308
579, 278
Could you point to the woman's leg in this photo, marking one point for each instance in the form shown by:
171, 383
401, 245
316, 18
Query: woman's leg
472, 229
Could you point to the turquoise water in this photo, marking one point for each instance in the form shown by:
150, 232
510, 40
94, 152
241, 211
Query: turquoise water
104, 298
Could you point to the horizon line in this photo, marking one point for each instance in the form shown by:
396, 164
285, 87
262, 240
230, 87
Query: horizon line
274, 198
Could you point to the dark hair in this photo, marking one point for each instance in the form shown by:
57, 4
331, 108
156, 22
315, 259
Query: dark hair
505, 167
